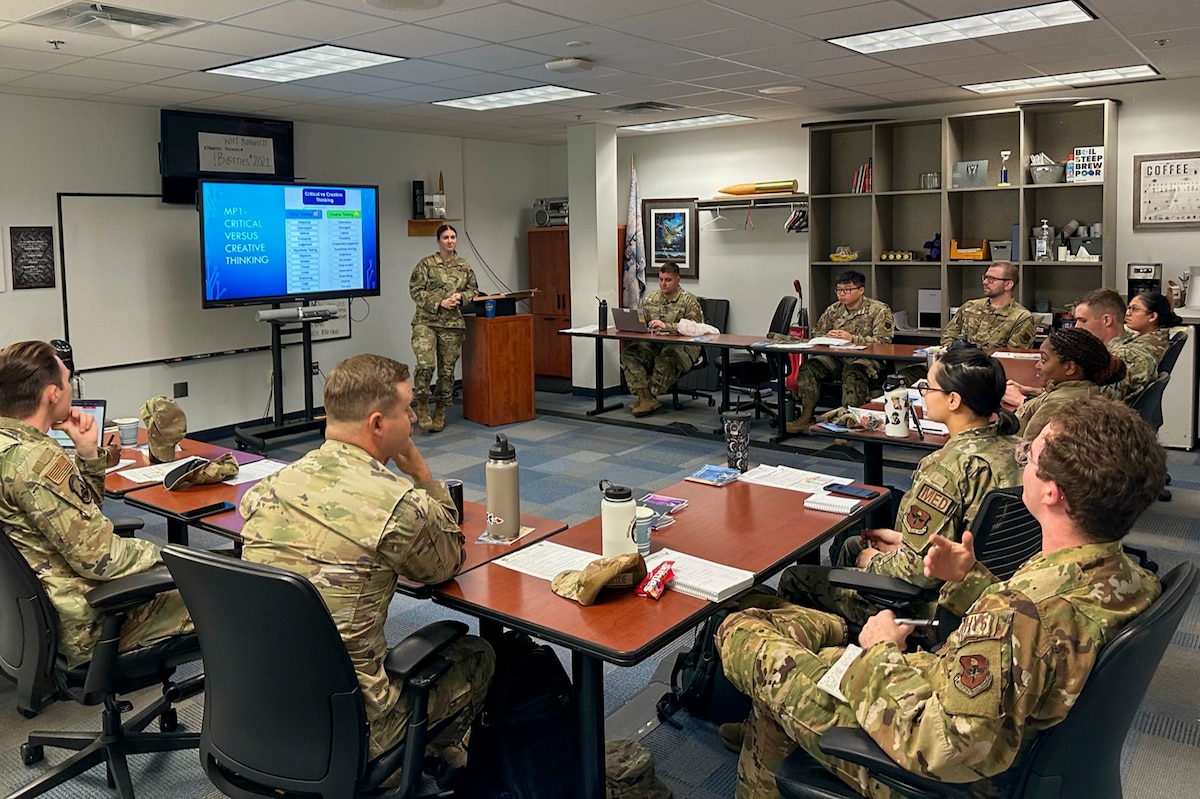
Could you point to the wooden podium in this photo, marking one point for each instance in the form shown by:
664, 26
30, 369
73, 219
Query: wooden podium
497, 369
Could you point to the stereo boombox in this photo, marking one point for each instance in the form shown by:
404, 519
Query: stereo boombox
549, 211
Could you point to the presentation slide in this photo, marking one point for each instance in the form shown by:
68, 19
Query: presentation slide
280, 240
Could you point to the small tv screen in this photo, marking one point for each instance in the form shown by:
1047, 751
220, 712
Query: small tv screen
283, 242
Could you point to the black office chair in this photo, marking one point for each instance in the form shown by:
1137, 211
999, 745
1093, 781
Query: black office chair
1167, 362
283, 711
1148, 404
1079, 757
1006, 535
758, 370
29, 656
703, 378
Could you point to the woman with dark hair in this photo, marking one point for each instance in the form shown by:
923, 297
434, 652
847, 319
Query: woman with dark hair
1148, 321
1074, 364
441, 284
963, 392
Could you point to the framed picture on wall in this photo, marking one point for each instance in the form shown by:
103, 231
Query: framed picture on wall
1166, 191
672, 234
32, 257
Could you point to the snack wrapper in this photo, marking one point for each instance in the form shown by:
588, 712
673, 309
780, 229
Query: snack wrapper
656, 581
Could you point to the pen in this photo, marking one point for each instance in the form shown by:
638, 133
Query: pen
913, 410
919, 622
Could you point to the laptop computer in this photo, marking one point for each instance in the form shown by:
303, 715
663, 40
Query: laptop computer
94, 408
629, 320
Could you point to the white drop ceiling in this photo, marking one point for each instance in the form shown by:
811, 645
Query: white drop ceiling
707, 56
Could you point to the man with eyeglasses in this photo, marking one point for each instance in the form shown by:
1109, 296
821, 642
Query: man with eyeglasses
1018, 661
995, 320
857, 318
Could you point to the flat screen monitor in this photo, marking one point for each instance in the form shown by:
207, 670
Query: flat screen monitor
267, 242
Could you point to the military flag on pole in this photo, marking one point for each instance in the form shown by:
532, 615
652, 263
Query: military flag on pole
633, 274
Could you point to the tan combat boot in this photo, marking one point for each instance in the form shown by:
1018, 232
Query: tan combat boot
423, 419
802, 424
438, 423
646, 404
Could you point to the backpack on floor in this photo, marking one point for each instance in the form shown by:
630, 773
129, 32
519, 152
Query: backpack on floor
523, 744
698, 683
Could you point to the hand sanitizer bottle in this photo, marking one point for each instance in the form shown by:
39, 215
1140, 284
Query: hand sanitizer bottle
1042, 243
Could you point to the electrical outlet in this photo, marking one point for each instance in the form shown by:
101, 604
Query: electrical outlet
181, 390
316, 368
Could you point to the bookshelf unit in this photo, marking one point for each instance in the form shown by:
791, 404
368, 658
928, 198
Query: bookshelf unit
897, 214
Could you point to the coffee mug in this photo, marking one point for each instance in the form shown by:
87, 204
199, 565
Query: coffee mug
456, 494
129, 431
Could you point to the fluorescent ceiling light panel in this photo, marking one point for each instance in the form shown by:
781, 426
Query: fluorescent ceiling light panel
952, 30
1092, 76
694, 122
311, 63
538, 94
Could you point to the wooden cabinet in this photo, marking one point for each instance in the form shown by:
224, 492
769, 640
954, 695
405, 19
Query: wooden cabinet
898, 214
550, 272
498, 370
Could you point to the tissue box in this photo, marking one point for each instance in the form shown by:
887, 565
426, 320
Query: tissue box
969, 250
1001, 250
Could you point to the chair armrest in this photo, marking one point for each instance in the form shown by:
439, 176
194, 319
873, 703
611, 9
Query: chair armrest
411, 653
856, 746
876, 585
124, 593
126, 526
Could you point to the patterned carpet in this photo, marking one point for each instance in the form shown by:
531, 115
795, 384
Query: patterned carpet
563, 455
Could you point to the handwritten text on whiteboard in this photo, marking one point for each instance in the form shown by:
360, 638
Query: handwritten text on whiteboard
221, 152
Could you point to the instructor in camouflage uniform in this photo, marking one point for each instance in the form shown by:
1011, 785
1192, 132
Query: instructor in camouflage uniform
1101, 313
440, 285
966, 712
652, 368
963, 392
854, 317
50, 507
342, 519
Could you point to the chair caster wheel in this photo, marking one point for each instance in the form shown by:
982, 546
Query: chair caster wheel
711, 402
168, 721
32, 753
28, 714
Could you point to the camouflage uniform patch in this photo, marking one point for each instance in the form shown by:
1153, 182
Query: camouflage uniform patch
960, 715
438, 332
870, 323
349, 525
49, 508
653, 366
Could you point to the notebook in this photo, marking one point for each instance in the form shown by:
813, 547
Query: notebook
700, 578
96, 409
629, 320
831, 504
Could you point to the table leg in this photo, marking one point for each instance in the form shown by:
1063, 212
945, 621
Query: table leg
873, 463
600, 406
724, 381
490, 631
177, 531
588, 677
781, 432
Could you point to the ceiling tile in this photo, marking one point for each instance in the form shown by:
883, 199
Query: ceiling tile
491, 58
772, 57
699, 70
500, 23
599, 41
236, 103
236, 41
208, 82
957, 66
294, 92
206, 11
301, 18
424, 94
68, 83
77, 45
487, 84
118, 70
34, 60
858, 19
350, 82
779, 10
740, 40
162, 95
411, 41
7, 75
418, 70
162, 55
592, 11
447, 7
696, 19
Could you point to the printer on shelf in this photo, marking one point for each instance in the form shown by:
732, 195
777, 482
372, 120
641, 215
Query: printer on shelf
550, 211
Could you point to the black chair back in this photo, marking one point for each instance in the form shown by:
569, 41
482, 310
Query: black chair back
705, 375
1148, 402
1006, 534
1082, 755
1167, 362
282, 706
28, 631
781, 322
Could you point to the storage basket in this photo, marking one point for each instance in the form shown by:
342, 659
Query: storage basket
1051, 173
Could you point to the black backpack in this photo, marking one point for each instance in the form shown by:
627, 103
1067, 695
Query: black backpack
516, 748
698, 683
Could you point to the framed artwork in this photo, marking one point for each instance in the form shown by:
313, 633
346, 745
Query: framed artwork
32, 257
672, 234
1166, 191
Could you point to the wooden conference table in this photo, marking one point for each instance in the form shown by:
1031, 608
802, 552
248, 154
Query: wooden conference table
117, 486
1022, 370
730, 341
750, 527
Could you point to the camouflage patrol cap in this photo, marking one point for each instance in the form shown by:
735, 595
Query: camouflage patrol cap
621, 571
199, 471
166, 425
629, 772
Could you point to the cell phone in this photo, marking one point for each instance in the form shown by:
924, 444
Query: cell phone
851, 491
207, 510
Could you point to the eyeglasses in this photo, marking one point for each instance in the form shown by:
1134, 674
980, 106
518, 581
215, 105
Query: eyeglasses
993, 278
1136, 309
1023, 453
924, 388
840, 290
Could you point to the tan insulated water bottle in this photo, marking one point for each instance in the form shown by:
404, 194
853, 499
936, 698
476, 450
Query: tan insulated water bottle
503, 487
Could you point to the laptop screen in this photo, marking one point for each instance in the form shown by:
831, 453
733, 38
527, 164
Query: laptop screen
94, 408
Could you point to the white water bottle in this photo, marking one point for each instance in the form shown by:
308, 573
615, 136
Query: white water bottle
503, 485
895, 407
618, 519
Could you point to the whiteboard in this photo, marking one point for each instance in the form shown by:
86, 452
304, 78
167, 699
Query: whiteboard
132, 286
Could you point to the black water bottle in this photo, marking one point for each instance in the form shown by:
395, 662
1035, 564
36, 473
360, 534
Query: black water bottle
603, 326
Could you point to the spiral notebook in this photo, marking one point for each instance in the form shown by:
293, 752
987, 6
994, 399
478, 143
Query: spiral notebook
703, 579
831, 504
